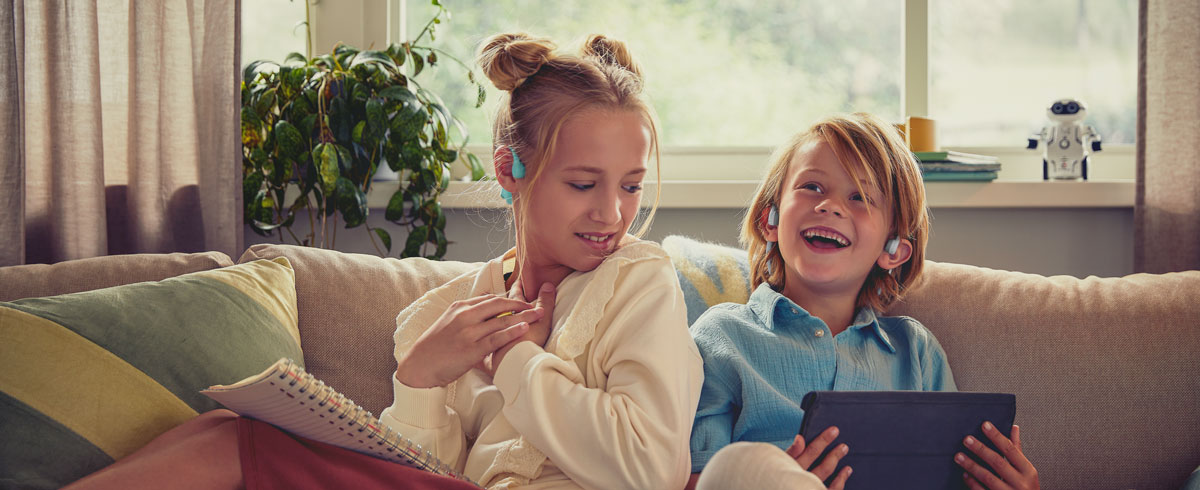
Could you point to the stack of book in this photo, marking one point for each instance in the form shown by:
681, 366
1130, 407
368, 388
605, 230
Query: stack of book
955, 165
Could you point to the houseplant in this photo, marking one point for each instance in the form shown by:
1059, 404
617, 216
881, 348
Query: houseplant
316, 130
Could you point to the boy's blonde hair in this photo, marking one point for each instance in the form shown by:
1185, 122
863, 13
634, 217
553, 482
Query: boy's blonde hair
544, 89
869, 149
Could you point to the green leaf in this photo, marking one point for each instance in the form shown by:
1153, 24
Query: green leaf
477, 171
288, 139
352, 202
375, 116
412, 246
399, 93
395, 207
386, 238
418, 63
374, 57
328, 165
481, 96
295, 57
357, 134
251, 71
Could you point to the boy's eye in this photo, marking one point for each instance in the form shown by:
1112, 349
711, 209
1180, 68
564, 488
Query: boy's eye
580, 187
811, 187
857, 197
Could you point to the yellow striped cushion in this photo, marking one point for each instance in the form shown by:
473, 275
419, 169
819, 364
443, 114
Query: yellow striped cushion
87, 378
709, 273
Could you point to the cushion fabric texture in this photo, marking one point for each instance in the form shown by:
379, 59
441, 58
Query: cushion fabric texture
87, 378
348, 306
36, 280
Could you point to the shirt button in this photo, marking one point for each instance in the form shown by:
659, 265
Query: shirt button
820, 333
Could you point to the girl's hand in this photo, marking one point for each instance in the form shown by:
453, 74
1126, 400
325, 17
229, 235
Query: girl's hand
539, 330
462, 337
805, 456
1012, 470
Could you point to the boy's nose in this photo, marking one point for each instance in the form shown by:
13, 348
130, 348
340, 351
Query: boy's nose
828, 206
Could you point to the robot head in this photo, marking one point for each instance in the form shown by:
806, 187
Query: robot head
1066, 111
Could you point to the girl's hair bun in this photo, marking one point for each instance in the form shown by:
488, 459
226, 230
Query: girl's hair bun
611, 51
508, 59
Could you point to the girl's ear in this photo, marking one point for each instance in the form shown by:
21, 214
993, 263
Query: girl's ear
891, 261
502, 160
770, 232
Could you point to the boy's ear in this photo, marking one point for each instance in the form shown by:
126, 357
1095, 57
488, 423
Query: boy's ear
770, 232
502, 160
891, 261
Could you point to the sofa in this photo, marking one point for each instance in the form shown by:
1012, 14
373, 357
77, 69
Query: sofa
1105, 370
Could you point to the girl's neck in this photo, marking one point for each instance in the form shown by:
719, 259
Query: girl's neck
532, 276
835, 309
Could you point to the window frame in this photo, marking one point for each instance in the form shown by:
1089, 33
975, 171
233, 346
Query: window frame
367, 22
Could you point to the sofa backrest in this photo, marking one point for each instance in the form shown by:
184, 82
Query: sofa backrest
1106, 370
37, 280
347, 306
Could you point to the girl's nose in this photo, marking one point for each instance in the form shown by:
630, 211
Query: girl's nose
607, 210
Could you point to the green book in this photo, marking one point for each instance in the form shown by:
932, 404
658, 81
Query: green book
954, 156
958, 176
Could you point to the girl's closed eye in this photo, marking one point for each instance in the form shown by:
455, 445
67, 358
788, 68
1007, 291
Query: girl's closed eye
633, 188
581, 186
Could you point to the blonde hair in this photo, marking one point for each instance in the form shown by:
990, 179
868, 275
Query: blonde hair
544, 89
870, 149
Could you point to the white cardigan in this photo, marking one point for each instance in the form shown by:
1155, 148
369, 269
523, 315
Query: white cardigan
608, 404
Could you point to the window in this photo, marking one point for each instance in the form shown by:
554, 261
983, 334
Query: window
718, 72
271, 29
996, 66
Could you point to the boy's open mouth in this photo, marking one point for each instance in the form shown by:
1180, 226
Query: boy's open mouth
825, 238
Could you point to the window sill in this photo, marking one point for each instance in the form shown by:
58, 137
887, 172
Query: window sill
693, 194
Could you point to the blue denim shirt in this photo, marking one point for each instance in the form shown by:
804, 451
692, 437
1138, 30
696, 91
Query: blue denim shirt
761, 358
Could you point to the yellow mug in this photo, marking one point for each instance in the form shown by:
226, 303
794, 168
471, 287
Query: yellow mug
921, 134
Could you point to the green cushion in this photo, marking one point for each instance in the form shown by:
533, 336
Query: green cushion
709, 273
87, 378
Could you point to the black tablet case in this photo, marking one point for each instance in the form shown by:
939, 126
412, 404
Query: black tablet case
905, 439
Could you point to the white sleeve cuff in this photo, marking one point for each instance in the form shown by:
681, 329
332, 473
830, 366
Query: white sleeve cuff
419, 407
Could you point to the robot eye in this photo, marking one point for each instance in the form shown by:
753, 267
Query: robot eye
1056, 108
1072, 108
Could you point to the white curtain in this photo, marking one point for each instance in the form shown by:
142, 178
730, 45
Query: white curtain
120, 128
1167, 212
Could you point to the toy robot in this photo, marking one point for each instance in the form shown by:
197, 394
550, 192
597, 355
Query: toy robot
1067, 140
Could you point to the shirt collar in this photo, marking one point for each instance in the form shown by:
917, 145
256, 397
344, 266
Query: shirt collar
768, 303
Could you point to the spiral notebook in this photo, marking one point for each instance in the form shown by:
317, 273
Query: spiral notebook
289, 398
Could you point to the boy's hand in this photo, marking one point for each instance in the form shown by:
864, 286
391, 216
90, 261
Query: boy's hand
1012, 470
806, 454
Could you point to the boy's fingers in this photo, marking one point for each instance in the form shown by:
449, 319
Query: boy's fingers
999, 465
796, 448
829, 464
1010, 448
815, 447
981, 474
839, 482
972, 483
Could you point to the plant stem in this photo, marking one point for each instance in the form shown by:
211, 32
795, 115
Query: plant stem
427, 25
371, 235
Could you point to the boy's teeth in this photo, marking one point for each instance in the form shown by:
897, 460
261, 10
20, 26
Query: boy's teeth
841, 241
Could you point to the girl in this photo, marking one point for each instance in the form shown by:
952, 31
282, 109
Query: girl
566, 362
836, 233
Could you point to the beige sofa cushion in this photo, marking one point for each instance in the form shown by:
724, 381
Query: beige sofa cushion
37, 280
347, 307
1106, 370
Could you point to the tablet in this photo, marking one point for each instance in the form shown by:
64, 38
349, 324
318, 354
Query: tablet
905, 439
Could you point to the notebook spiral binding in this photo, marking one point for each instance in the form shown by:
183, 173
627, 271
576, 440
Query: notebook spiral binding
389, 444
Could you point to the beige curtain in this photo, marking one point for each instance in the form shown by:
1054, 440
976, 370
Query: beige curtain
120, 130
1167, 212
